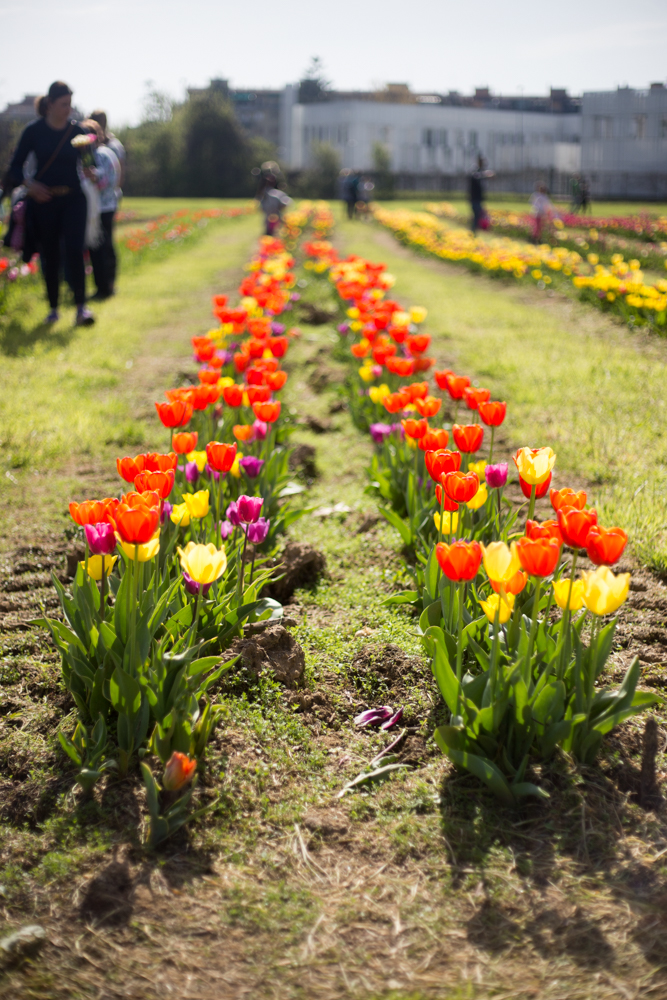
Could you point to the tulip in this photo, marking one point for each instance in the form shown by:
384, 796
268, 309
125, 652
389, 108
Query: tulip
233, 395
174, 414
498, 607
220, 456
514, 585
604, 592
461, 487
178, 772
479, 499
414, 429
99, 565
441, 378
472, 397
496, 475
428, 407
260, 430
199, 458
439, 462
575, 525
156, 462
257, 532
166, 511
226, 529
491, 413
435, 439
143, 552
569, 594
447, 524
418, 314
90, 511
193, 588
460, 560
445, 502
567, 498
251, 466
161, 482
191, 473
468, 437
233, 514
248, 508
604, 545
197, 503
129, 468
538, 556
243, 432
534, 465
373, 716
180, 515
379, 432
501, 561
268, 412
545, 529
136, 525
532, 492
100, 538
203, 563
455, 384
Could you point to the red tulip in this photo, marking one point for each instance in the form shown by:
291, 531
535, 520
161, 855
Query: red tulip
161, 482
468, 437
461, 486
175, 414
460, 560
540, 490
435, 439
605, 546
220, 456
575, 525
441, 461
538, 556
567, 498
492, 414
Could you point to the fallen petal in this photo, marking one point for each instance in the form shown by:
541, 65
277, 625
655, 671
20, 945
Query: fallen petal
390, 723
373, 716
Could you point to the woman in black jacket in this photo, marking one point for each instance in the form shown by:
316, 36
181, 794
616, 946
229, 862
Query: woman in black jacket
57, 205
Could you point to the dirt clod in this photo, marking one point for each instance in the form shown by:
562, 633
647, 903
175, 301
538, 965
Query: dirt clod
301, 565
109, 896
303, 459
274, 651
326, 822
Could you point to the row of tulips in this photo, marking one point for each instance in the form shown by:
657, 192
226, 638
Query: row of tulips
155, 238
620, 287
14, 274
174, 566
518, 641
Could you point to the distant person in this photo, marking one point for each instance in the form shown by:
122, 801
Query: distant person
114, 144
107, 180
542, 210
57, 207
269, 176
585, 196
352, 193
364, 194
273, 203
576, 194
476, 194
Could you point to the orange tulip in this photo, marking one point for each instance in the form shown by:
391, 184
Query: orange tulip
178, 772
545, 529
440, 462
175, 414
183, 443
414, 428
203, 395
88, 512
276, 380
428, 407
160, 482
567, 498
136, 525
268, 412
460, 560
149, 498
461, 486
156, 462
278, 346
444, 502
436, 438
209, 376
514, 585
404, 367
441, 378
541, 489
258, 394
241, 362
243, 432
455, 384
129, 468
417, 390
575, 525
492, 414
468, 437
472, 397
255, 376
233, 395
418, 343
220, 456
538, 556
360, 350
395, 401
605, 546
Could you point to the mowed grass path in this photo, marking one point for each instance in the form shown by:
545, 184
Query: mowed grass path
72, 399
573, 379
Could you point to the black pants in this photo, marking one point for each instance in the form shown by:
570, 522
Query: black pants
477, 212
62, 220
103, 257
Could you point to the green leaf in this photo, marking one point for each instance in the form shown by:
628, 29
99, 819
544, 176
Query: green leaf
396, 522
403, 597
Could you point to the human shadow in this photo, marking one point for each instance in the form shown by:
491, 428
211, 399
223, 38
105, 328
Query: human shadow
18, 337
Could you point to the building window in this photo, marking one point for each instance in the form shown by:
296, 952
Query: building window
443, 138
428, 137
603, 127
472, 140
639, 127
459, 138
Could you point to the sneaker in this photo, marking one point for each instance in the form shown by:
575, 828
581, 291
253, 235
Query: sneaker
52, 317
84, 317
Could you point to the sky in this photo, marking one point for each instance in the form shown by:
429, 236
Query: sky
111, 52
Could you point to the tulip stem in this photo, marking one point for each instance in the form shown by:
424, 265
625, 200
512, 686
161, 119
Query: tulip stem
531, 505
493, 431
102, 589
459, 647
533, 628
133, 607
494, 649
195, 615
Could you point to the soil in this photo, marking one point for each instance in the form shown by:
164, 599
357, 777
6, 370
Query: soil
301, 565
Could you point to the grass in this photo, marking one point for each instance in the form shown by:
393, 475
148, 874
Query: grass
423, 888
573, 379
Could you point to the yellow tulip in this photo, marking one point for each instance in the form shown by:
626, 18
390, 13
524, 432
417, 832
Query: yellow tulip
236, 467
503, 601
534, 466
180, 514
197, 503
400, 318
366, 373
450, 522
562, 589
96, 564
355, 326
199, 457
604, 592
203, 563
418, 314
479, 499
224, 382
379, 392
478, 467
144, 552
501, 561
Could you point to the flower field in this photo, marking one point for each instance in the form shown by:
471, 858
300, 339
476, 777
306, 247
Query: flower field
321, 675
620, 287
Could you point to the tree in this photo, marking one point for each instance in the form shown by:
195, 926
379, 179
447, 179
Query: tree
384, 178
217, 153
321, 179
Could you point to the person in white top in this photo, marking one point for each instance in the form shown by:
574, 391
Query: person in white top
542, 210
107, 179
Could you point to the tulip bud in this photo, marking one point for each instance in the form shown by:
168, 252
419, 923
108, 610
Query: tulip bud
178, 772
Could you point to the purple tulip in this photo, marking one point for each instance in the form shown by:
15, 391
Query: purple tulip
379, 432
191, 472
295, 296
374, 716
248, 508
226, 529
258, 531
212, 473
277, 328
166, 511
390, 723
233, 514
224, 356
251, 466
260, 428
101, 538
397, 431
343, 329
192, 587
496, 475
